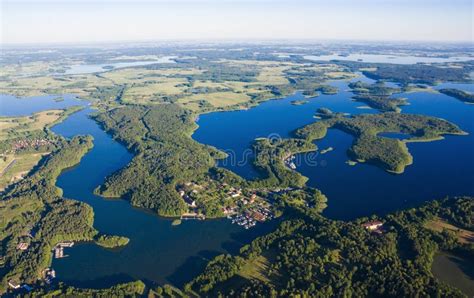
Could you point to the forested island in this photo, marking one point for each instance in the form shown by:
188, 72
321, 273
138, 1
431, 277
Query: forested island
459, 94
368, 146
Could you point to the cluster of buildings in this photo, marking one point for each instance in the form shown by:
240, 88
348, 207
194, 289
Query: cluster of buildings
25, 144
252, 211
246, 209
290, 162
59, 249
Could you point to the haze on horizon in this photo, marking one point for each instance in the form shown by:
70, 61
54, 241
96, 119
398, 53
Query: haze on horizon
62, 21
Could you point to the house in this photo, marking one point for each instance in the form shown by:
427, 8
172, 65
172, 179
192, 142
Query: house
373, 225
48, 275
14, 284
23, 245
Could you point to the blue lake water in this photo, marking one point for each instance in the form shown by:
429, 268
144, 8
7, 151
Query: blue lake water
14, 106
158, 252
93, 68
381, 58
440, 168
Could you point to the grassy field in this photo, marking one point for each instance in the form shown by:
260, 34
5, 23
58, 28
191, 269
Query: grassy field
463, 235
12, 126
256, 269
13, 167
216, 99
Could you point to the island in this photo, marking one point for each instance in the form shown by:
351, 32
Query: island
464, 96
390, 154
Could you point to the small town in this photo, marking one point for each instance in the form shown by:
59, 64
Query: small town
25, 144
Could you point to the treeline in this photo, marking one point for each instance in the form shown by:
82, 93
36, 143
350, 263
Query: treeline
131, 289
311, 256
377, 96
458, 94
419, 73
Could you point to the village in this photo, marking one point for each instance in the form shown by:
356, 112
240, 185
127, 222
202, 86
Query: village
27, 144
243, 207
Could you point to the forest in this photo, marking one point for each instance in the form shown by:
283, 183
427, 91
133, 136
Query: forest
377, 96
458, 94
420, 73
312, 256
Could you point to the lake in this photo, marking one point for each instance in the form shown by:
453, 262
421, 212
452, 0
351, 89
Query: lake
440, 168
383, 58
161, 253
93, 68
15, 106
158, 252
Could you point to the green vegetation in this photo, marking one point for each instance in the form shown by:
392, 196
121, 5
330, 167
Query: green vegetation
316, 257
176, 222
165, 156
131, 289
299, 102
459, 94
111, 241
33, 211
25, 140
377, 96
270, 160
419, 73
390, 154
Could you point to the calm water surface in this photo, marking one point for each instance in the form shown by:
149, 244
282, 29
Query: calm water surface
380, 58
93, 68
440, 168
15, 106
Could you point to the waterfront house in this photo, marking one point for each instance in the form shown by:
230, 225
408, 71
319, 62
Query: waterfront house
14, 284
373, 225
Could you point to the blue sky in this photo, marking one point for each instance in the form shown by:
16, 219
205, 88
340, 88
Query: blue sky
37, 21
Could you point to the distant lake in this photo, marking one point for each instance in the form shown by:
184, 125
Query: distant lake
440, 168
380, 58
93, 68
15, 106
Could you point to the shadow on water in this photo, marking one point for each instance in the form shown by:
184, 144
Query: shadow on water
455, 268
191, 267
103, 282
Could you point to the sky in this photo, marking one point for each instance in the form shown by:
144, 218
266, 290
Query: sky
72, 21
